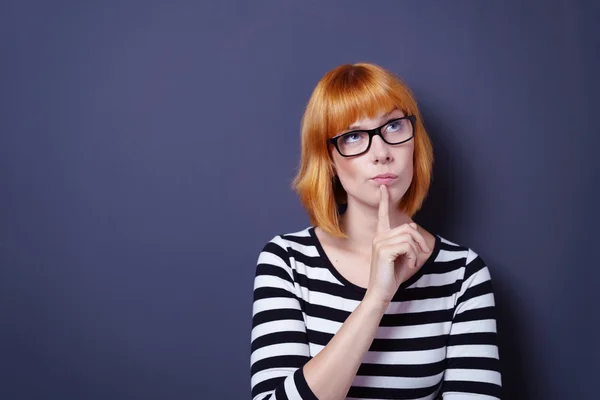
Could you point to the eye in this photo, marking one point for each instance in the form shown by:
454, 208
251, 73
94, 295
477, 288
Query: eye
394, 126
351, 137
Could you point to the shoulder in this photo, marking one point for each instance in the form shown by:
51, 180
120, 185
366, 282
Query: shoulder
465, 259
472, 284
276, 264
290, 239
284, 245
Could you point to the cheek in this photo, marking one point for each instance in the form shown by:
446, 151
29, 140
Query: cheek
407, 168
407, 177
404, 157
348, 174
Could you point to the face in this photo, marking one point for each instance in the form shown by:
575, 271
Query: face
357, 173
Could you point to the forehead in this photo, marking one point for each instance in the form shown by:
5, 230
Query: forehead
376, 120
352, 108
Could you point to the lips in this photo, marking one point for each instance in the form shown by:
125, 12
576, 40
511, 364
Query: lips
385, 179
385, 176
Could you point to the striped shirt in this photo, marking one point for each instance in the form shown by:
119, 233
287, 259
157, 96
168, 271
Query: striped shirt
437, 338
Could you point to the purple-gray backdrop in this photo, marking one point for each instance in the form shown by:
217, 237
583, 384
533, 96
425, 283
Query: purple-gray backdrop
146, 153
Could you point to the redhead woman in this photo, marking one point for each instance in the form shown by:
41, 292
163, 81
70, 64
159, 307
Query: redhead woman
364, 303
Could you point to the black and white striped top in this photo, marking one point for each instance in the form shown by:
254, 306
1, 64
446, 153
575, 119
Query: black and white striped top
437, 338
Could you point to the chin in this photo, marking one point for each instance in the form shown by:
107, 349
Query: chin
395, 193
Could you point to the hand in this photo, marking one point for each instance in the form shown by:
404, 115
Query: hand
394, 251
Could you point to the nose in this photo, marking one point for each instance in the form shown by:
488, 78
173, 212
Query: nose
380, 151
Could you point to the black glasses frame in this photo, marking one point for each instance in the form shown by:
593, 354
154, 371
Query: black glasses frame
374, 132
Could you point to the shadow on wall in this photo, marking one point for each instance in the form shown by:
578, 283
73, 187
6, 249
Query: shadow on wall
447, 201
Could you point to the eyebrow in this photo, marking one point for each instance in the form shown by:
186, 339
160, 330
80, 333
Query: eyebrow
383, 117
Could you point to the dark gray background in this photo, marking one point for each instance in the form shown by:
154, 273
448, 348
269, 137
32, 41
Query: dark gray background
146, 154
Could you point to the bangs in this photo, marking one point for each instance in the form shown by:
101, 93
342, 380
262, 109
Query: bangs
347, 94
355, 95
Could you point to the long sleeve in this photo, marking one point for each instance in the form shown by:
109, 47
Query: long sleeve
473, 365
279, 344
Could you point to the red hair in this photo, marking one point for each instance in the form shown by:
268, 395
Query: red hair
344, 95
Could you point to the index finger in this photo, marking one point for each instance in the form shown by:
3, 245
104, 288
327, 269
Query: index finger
383, 220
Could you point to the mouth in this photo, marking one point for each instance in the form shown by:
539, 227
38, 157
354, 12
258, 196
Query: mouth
384, 179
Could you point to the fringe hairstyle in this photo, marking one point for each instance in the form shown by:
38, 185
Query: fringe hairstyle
345, 94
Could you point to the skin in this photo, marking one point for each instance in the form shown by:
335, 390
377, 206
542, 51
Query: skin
352, 256
383, 249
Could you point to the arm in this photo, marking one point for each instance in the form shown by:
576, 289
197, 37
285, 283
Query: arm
281, 366
473, 366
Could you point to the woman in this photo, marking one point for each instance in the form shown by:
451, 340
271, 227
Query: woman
365, 303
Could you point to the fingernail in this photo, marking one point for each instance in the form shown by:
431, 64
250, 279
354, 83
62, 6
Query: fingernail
413, 225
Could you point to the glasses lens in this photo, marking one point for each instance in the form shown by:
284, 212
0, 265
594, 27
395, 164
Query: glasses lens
353, 143
397, 131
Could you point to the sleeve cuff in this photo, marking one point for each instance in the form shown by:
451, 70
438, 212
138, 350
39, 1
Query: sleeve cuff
305, 391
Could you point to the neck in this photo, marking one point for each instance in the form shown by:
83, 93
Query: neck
359, 222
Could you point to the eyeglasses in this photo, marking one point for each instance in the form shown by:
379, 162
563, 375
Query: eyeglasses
395, 131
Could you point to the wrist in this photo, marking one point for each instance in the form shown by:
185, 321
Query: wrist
375, 303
